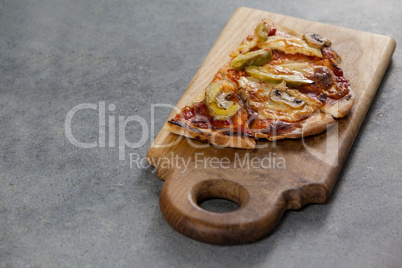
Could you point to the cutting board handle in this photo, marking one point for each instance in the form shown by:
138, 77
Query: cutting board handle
259, 211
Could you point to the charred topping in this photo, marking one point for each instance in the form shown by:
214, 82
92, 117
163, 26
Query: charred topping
323, 97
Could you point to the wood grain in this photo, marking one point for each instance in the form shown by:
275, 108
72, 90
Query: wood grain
264, 191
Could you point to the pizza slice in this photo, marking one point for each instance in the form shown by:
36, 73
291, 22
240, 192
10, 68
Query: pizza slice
278, 84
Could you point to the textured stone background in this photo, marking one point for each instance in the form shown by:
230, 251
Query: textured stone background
61, 205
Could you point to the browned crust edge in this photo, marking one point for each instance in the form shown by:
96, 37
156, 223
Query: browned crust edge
313, 125
342, 107
212, 136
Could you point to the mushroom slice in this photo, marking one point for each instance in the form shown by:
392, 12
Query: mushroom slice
283, 97
222, 100
242, 92
316, 40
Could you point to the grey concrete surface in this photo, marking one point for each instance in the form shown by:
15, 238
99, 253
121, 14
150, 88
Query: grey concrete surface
64, 206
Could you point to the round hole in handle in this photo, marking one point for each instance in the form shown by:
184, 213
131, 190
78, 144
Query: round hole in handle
220, 195
219, 205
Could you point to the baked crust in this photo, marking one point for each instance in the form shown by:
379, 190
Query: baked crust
342, 107
313, 125
215, 137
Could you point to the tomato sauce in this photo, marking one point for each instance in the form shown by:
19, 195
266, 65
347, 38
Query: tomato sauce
199, 116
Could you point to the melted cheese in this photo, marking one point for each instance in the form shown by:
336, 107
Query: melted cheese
299, 69
271, 110
259, 99
290, 45
245, 46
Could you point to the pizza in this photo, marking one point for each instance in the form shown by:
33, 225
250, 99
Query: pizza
277, 84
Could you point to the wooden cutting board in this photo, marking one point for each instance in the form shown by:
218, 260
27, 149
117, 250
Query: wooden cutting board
283, 175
